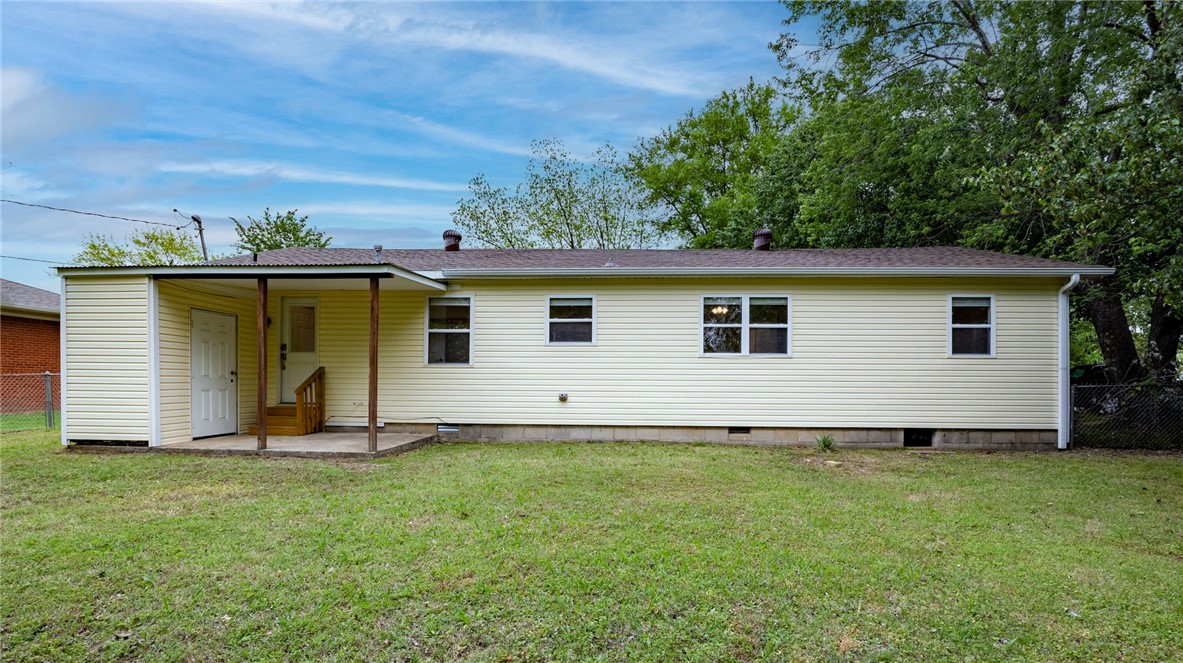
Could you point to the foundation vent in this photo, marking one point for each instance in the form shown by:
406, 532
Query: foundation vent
918, 437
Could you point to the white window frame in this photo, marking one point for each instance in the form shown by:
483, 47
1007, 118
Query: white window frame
745, 325
592, 320
428, 331
993, 327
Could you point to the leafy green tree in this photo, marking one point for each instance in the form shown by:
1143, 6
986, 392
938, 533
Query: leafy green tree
563, 203
278, 231
151, 247
1042, 128
702, 169
1108, 193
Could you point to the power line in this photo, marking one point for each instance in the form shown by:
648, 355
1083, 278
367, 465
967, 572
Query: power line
105, 216
52, 262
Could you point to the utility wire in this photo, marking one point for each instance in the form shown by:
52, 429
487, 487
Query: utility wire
105, 216
52, 262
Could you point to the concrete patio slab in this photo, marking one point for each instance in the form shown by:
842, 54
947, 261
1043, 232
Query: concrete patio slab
317, 445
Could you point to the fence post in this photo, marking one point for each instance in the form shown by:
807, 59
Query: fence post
48, 400
1072, 416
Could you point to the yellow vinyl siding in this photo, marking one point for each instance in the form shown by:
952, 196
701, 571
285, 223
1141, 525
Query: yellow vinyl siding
176, 301
106, 358
866, 353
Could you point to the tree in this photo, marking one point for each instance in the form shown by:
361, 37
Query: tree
1043, 128
563, 203
702, 169
151, 247
277, 232
1109, 193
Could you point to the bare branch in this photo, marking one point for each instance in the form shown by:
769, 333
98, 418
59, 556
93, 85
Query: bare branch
965, 7
1140, 36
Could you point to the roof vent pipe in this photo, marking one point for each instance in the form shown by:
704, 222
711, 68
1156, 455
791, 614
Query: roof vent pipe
762, 239
452, 240
254, 257
377, 253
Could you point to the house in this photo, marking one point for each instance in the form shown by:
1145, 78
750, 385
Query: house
29, 345
946, 346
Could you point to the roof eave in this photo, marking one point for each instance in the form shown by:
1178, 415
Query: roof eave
618, 272
29, 312
258, 271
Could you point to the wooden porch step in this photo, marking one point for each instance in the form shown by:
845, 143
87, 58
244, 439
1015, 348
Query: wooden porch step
281, 420
275, 430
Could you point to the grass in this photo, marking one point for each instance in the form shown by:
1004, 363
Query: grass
607, 551
18, 421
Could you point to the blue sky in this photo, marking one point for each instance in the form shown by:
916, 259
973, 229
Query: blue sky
370, 117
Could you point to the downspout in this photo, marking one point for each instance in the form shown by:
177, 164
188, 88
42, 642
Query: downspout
1064, 407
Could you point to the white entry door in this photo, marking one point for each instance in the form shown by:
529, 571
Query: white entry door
297, 345
213, 375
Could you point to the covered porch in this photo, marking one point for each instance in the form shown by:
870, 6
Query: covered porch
232, 335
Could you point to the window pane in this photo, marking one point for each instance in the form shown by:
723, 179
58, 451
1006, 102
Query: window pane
971, 311
721, 339
571, 308
722, 310
570, 332
447, 348
769, 310
971, 341
449, 314
764, 341
302, 332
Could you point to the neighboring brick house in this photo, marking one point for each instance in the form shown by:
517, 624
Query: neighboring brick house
30, 343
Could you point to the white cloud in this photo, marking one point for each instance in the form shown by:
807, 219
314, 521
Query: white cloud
380, 210
34, 110
232, 168
604, 60
23, 186
626, 57
20, 85
451, 134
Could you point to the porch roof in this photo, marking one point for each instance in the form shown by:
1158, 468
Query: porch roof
280, 277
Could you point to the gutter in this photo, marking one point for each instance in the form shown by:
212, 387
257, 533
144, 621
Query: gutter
383, 270
684, 272
1064, 406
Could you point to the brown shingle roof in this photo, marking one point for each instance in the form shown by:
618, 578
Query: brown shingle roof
438, 260
15, 295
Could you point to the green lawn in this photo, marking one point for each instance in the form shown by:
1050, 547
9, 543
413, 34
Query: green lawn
608, 551
19, 421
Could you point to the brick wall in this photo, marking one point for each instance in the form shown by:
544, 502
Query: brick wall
29, 346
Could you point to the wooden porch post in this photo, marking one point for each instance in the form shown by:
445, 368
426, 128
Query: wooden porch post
373, 404
261, 345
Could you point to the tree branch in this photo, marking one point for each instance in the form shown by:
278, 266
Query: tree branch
1128, 30
966, 9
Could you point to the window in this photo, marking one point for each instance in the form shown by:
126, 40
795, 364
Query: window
449, 330
971, 325
571, 320
302, 328
755, 325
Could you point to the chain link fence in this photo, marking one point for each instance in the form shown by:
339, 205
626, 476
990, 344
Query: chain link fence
30, 401
1127, 416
